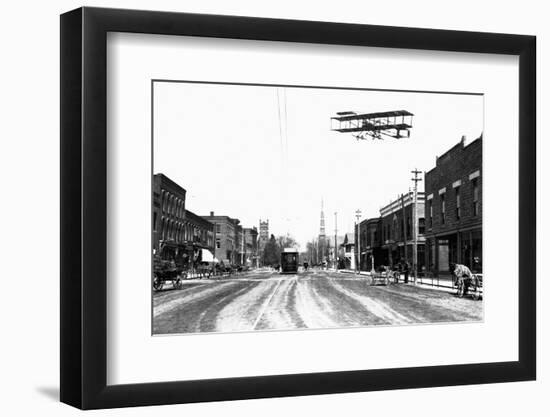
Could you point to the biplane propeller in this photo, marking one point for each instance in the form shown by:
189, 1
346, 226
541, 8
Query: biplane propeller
394, 124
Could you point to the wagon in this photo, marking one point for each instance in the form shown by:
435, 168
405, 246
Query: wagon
167, 271
385, 277
473, 285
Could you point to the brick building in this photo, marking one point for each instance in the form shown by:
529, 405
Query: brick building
178, 234
168, 211
454, 208
239, 241
396, 230
371, 244
202, 231
251, 246
389, 239
228, 238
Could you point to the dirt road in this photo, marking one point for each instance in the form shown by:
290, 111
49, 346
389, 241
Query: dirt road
317, 299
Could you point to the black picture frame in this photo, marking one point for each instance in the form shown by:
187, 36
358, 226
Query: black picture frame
84, 179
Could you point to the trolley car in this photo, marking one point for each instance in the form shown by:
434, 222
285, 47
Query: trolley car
289, 261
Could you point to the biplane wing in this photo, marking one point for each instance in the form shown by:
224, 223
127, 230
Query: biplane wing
394, 124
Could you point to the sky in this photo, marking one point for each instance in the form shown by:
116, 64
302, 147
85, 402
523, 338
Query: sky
263, 152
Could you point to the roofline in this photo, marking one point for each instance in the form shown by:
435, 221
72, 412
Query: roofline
407, 197
451, 148
170, 181
198, 217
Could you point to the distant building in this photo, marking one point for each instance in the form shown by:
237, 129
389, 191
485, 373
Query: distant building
338, 261
264, 230
371, 245
396, 230
349, 251
323, 242
226, 238
454, 208
263, 236
239, 242
389, 239
251, 246
202, 231
322, 234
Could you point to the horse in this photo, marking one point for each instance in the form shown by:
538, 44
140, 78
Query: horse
464, 279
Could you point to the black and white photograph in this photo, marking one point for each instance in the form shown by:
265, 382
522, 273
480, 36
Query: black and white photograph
286, 207
242, 208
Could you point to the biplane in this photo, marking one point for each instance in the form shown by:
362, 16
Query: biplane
394, 124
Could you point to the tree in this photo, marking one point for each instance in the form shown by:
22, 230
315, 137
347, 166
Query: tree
311, 252
271, 253
286, 242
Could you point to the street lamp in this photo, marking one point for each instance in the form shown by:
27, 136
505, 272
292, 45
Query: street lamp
358, 216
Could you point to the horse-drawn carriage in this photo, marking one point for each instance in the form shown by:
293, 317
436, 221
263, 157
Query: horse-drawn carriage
164, 271
228, 269
384, 275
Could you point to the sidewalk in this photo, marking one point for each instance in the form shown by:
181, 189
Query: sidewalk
444, 283
351, 271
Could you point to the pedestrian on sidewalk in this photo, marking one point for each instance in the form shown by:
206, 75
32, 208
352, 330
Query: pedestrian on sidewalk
406, 271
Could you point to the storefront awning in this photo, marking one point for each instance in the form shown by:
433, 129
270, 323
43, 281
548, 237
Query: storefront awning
206, 256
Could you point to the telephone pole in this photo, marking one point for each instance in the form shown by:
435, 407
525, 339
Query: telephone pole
335, 241
358, 263
415, 172
242, 248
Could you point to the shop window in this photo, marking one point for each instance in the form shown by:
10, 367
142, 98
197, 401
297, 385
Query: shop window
457, 197
475, 186
442, 198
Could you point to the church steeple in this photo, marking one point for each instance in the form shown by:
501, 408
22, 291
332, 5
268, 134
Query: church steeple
322, 225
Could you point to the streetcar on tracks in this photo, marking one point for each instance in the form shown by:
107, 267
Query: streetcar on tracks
289, 261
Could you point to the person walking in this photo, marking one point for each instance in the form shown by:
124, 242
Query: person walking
406, 271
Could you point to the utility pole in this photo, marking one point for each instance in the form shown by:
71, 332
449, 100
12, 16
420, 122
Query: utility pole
358, 216
215, 240
335, 241
317, 251
242, 248
405, 225
415, 172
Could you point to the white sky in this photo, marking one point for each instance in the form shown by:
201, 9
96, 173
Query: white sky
225, 145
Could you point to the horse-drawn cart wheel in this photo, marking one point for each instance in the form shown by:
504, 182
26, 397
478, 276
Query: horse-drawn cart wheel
157, 283
396, 276
476, 293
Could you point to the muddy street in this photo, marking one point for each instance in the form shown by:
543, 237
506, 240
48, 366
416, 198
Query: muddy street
317, 299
